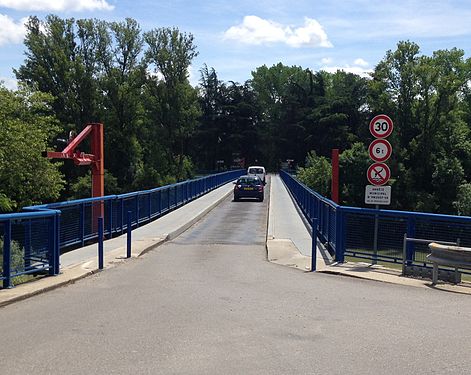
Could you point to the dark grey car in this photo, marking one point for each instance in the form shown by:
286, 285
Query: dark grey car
248, 187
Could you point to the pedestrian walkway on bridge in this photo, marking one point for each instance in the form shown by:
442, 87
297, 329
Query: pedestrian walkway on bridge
288, 244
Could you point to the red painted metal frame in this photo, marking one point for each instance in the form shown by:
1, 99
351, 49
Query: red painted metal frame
95, 159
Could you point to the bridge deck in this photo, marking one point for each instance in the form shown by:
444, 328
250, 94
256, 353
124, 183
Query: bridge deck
288, 243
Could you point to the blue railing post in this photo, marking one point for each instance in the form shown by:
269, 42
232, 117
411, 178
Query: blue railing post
51, 244
175, 197
121, 214
128, 238
410, 246
137, 210
313, 244
82, 224
328, 231
100, 243
149, 203
7, 254
110, 218
27, 244
57, 219
340, 236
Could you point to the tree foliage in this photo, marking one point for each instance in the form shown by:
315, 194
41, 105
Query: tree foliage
160, 129
27, 123
317, 173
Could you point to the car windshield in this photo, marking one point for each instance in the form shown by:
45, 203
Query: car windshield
249, 181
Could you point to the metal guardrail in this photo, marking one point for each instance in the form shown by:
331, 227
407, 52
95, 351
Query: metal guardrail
454, 256
349, 231
407, 262
31, 242
329, 215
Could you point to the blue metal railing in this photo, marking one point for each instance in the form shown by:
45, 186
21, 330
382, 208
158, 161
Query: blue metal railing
349, 231
329, 215
32, 241
29, 244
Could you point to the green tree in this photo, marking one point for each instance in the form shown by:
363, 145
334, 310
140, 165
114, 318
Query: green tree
82, 187
63, 59
277, 89
173, 102
27, 124
424, 95
317, 174
122, 83
462, 204
210, 132
353, 164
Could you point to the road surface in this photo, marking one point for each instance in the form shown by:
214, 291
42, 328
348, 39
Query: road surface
210, 303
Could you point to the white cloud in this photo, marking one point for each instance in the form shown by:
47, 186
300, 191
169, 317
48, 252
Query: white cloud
358, 67
256, 30
193, 76
362, 72
9, 83
11, 31
360, 62
56, 5
326, 60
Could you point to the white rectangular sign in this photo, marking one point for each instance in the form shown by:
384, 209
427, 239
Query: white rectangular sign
378, 194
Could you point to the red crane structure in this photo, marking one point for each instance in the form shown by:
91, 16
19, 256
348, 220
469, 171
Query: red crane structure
95, 159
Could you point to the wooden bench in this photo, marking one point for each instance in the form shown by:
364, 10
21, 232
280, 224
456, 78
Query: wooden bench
451, 256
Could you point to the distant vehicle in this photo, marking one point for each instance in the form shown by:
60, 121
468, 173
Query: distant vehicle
248, 187
257, 171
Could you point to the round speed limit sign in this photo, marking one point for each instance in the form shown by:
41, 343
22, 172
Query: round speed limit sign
380, 150
381, 126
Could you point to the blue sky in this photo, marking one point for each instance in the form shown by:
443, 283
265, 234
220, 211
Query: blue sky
235, 37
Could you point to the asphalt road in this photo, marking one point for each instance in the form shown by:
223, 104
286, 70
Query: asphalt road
209, 303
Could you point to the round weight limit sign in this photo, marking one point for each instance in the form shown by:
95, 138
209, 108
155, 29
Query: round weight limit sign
380, 150
381, 126
378, 174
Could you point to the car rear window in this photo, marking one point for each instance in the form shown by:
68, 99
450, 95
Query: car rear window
249, 180
255, 170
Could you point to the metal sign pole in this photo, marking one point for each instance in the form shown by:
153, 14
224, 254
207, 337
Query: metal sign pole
378, 174
375, 239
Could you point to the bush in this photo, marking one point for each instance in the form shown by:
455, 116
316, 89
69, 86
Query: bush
17, 253
317, 174
463, 200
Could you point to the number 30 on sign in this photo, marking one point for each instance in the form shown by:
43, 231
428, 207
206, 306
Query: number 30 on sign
381, 126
